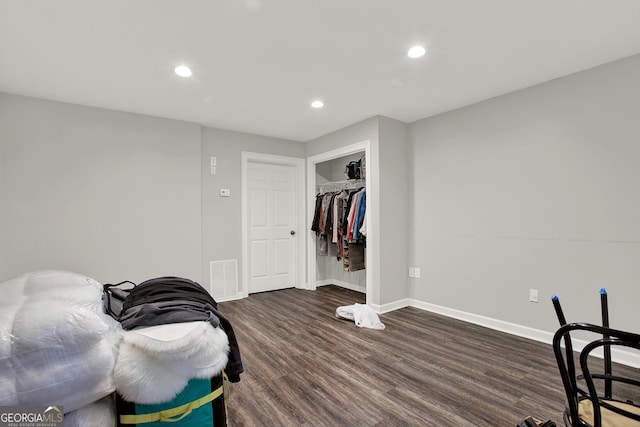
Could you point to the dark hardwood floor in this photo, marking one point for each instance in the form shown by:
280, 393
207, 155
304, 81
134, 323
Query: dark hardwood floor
305, 367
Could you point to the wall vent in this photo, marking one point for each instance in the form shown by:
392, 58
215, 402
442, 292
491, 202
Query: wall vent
223, 279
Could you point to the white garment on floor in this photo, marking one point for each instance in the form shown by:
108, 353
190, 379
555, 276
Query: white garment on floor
361, 314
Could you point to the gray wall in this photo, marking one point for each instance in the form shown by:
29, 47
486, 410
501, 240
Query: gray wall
358, 132
394, 176
108, 194
535, 189
221, 216
3, 202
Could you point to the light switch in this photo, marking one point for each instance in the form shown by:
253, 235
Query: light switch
225, 192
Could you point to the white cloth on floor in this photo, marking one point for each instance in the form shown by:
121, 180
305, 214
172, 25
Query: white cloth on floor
361, 314
345, 312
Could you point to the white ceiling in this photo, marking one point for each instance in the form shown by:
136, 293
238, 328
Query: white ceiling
259, 63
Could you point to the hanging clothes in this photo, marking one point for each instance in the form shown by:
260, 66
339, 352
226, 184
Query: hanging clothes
323, 245
338, 219
315, 224
360, 215
355, 259
347, 210
339, 209
351, 216
326, 199
363, 228
356, 215
338, 213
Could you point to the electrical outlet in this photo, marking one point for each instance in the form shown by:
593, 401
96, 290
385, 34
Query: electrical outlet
412, 272
417, 273
533, 295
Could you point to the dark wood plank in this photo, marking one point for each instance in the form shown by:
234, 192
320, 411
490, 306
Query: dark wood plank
305, 367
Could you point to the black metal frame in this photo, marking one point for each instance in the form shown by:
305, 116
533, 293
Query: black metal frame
574, 390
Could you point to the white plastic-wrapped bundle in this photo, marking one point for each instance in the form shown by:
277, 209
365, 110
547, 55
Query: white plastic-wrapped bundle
98, 413
10, 303
57, 346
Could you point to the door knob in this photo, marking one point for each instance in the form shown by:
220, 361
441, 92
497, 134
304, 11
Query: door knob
292, 232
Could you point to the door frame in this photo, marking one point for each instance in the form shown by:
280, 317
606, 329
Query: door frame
299, 173
372, 231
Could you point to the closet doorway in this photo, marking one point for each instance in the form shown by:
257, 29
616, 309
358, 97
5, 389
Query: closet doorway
272, 218
315, 164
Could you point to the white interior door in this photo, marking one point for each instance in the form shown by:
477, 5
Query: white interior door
271, 216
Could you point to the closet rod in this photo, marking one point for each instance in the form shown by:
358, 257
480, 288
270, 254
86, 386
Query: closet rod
340, 185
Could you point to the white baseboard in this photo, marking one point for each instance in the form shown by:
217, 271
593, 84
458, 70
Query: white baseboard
498, 325
620, 356
231, 298
396, 305
304, 285
351, 286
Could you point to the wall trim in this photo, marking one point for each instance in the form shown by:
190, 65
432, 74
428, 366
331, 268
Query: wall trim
620, 356
347, 285
488, 322
392, 306
231, 298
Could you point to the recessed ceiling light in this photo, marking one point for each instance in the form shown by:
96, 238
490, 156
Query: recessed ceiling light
416, 52
183, 71
317, 104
